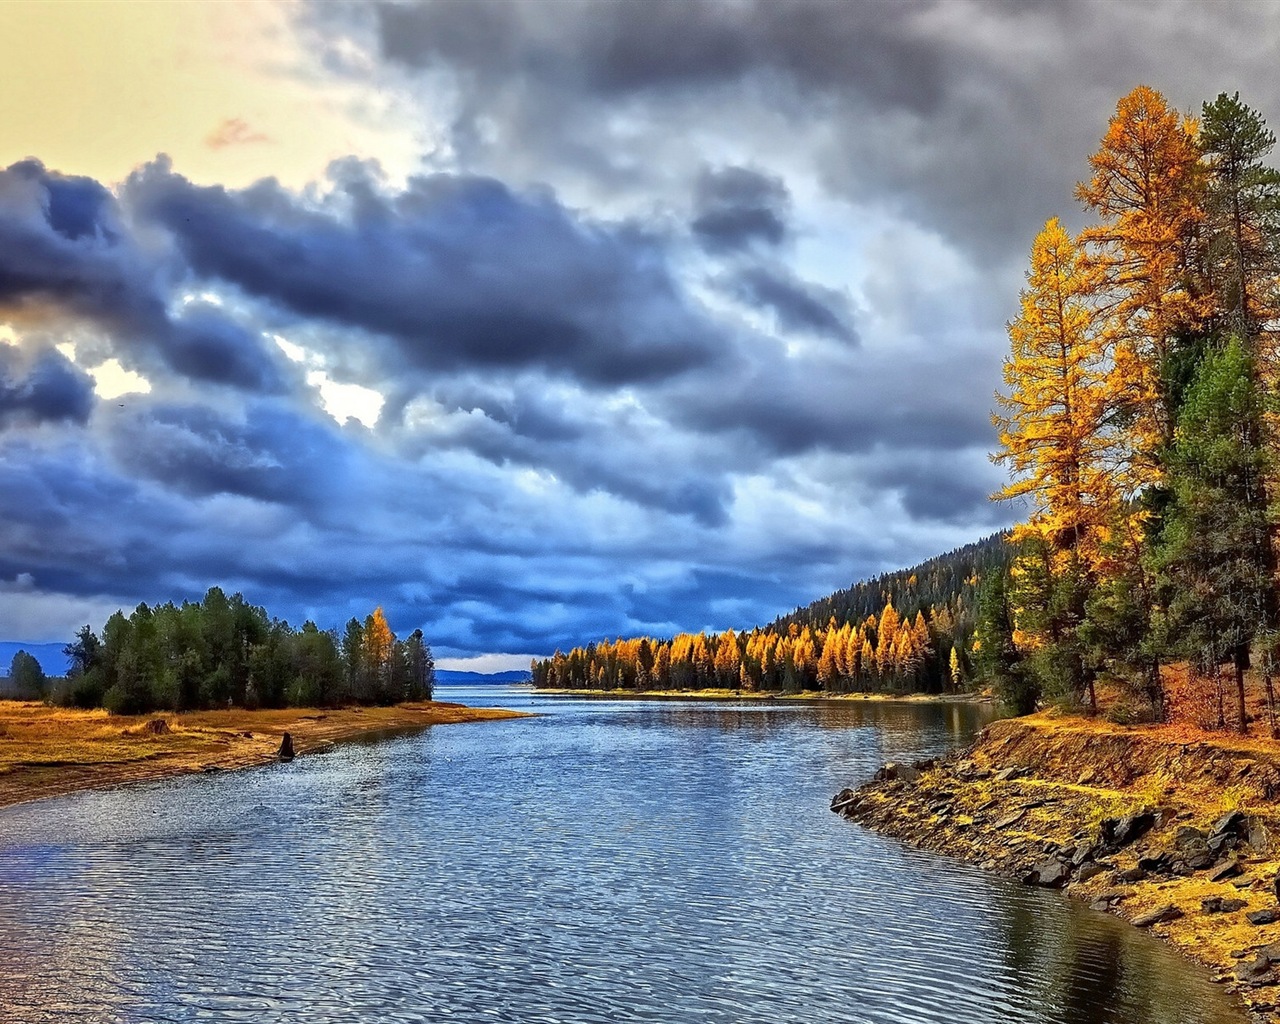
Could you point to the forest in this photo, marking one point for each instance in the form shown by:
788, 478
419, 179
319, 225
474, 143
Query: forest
1138, 423
222, 651
906, 631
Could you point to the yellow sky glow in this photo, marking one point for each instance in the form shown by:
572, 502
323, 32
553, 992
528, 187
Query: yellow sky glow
97, 88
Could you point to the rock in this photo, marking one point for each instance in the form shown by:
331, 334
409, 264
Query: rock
1221, 842
1200, 860
1112, 895
1222, 904
1050, 874
900, 772
1166, 913
1011, 819
1130, 828
1227, 869
1102, 905
1009, 774
1232, 822
1271, 951
1261, 917
1131, 875
1157, 864
1255, 970
1089, 870
1188, 837
845, 798
157, 727
1082, 853
286, 747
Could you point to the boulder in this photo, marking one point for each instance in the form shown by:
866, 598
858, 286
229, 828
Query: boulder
846, 798
1168, 912
1261, 917
1050, 874
1132, 827
1255, 970
1227, 869
1222, 904
1009, 774
1089, 870
286, 747
1131, 875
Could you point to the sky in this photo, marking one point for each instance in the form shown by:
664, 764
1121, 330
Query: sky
538, 322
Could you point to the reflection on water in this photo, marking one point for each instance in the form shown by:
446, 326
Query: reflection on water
607, 862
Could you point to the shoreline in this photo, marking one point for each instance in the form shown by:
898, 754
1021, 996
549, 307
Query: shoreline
47, 751
1178, 834
767, 696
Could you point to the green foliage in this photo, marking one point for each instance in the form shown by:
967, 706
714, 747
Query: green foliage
223, 651
26, 677
1214, 556
998, 663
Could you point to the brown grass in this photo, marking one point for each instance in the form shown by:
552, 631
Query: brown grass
47, 751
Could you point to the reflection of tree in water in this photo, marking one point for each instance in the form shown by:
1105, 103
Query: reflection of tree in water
1093, 969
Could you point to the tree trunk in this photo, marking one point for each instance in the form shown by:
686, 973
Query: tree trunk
1271, 699
1222, 709
1241, 658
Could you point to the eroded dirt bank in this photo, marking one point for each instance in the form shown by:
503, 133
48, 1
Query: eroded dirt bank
1178, 836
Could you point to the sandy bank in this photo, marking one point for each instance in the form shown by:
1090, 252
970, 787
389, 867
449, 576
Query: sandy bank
1176, 832
48, 751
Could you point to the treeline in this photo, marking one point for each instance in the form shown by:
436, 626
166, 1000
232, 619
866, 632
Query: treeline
222, 652
1139, 421
907, 631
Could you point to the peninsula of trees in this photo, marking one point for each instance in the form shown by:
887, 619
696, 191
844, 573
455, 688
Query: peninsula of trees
222, 652
1139, 422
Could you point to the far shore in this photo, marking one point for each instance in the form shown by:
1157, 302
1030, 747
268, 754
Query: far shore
49, 751
804, 696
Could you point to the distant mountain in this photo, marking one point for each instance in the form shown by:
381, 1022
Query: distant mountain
449, 677
50, 656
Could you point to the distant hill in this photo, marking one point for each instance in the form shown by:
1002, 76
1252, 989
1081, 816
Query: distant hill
448, 677
944, 581
50, 656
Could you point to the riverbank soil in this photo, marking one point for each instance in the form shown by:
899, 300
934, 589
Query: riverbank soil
1175, 830
46, 751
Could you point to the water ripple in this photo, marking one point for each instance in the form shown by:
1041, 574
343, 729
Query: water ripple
605, 863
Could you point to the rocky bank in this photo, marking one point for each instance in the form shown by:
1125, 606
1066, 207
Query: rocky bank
1178, 835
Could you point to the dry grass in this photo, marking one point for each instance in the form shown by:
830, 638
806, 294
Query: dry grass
47, 751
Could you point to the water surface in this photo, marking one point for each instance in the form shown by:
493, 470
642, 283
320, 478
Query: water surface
606, 862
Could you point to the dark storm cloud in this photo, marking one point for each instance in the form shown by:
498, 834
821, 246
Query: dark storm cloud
736, 206
47, 388
460, 271
67, 251
621, 47
971, 117
271, 454
796, 305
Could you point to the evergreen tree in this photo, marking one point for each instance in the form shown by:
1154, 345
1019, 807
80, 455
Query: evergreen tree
1215, 554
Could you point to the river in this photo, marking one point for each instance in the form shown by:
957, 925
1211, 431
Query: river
607, 862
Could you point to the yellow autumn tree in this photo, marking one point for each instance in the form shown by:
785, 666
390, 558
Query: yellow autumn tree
1147, 189
1055, 433
379, 644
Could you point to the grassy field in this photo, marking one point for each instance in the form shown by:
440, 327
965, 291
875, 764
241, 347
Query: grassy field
46, 751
